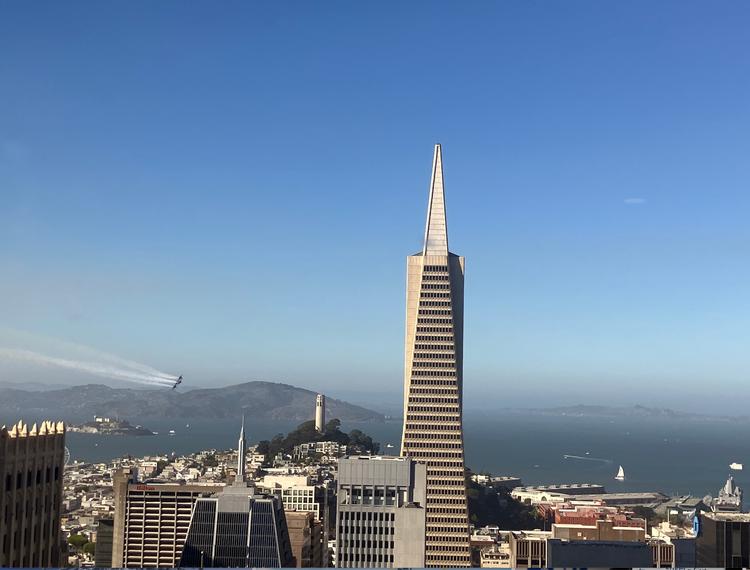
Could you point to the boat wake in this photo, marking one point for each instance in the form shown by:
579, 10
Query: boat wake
587, 458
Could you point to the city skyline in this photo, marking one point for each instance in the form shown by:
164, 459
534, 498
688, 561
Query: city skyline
152, 188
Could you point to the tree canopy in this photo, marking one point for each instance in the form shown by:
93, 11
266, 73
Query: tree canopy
306, 433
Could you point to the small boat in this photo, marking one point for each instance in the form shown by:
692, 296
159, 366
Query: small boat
389, 445
171, 432
187, 425
736, 466
620, 474
155, 432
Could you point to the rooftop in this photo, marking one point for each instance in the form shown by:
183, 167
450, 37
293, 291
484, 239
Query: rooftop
733, 517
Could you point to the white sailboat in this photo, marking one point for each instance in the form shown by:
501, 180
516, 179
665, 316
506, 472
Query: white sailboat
620, 474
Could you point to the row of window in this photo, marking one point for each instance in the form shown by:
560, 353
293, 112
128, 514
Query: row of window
433, 321
435, 268
451, 373
432, 400
414, 436
367, 516
346, 557
448, 345
457, 471
459, 527
434, 391
433, 409
435, 486
431, 457
420, 364
453, 418
436, 286
434, 355
456, 464
357, 543
423, 303
445, 330
456, 518
31, 478
446, 312
412, 443
425, 382
454, 425
437, 510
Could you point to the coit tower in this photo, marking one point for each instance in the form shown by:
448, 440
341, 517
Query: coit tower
320, 413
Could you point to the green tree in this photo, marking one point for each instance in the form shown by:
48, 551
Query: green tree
77, 540
90, 548
494, 505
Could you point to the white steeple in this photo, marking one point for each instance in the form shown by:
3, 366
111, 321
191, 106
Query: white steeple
436, 231
240, 479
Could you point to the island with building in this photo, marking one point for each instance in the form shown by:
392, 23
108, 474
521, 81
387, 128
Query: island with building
102, 425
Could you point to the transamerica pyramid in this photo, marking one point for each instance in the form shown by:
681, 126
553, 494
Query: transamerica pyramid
433, 381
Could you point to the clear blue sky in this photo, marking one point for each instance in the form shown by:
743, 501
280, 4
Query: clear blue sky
229, 190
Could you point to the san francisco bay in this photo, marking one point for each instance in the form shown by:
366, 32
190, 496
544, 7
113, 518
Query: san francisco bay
660, 454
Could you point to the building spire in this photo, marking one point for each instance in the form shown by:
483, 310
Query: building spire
436, 231
240, 478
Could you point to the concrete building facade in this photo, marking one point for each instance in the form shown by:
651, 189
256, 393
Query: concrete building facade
306, 539
31, 474
151, 521
295, 491
433, 382
380, 514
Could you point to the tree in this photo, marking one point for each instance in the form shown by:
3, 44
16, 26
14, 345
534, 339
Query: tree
90, 548
332, 426
491, 505
77, 540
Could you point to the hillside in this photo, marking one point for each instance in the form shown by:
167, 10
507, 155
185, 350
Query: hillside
261, 400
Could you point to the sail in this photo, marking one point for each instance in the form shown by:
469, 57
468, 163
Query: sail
620, 473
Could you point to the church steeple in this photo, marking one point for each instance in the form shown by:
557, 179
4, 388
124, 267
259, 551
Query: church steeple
436, 231
241, 448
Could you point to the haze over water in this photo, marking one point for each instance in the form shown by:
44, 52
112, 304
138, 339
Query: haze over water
665, 455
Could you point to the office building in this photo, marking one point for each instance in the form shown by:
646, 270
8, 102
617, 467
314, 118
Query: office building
105, 532
295, 491
723, 540
320, 413
31, 473
433, 381
151, 520
237, 527
306, 539
380, 515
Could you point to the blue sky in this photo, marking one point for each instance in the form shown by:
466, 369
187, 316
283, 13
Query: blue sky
229, 191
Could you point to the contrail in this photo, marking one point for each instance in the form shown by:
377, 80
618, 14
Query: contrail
144, 376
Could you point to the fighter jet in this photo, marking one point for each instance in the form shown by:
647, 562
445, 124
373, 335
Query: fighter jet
177, 383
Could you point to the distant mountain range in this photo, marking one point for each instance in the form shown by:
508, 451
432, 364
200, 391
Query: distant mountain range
259, 400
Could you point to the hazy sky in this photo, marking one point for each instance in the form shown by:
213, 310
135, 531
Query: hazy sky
229, 191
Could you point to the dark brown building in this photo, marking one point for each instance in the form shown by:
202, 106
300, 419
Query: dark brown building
31, 475
723, 540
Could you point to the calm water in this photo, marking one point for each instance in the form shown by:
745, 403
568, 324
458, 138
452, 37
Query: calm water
657, 454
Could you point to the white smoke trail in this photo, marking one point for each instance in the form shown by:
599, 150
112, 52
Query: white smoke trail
98, 369
86, 352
